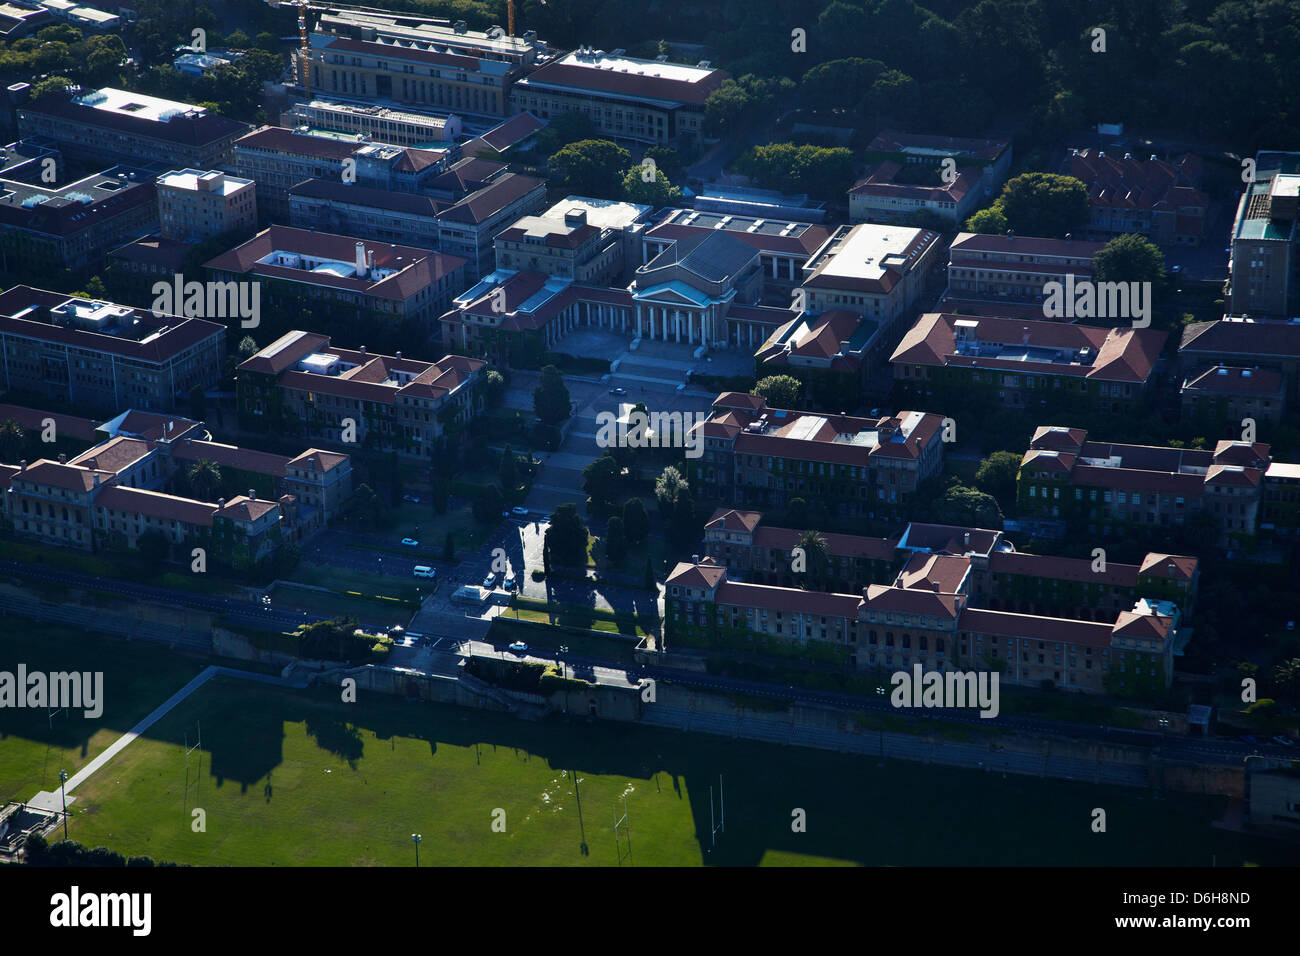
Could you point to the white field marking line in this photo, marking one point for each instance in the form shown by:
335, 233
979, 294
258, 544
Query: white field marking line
116, 747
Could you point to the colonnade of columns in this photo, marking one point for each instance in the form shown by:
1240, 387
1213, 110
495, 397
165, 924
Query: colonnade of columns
672, 325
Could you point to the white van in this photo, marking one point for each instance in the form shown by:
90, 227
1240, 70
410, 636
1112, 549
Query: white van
423, 571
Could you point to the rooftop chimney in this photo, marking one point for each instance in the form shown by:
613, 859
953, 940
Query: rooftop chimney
252, 494
966, 540
63, 458
221, 502
695, 559
361, 259
1172, 568
1024, 335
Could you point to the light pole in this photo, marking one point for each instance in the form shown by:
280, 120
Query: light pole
416, 838
63, 778
564, 675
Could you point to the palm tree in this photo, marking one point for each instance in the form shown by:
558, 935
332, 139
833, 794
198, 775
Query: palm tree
12, 439
816, 552
205, 479
1286, 677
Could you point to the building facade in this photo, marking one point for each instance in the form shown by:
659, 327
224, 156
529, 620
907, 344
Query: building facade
102, 355
194, 205
129, 127
301, 385
763, 458
647, 101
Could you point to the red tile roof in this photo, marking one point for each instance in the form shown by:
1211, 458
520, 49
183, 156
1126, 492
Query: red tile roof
154, 504
417, 268
1118, 355
1034, 627
1062, 569
32, 419
1231, 380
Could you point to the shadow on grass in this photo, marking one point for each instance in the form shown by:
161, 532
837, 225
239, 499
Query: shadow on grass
858, 809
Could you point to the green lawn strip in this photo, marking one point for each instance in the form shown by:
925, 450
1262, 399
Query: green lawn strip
121, 568
300, 778
333, 605
287, 779
357, 584
137, 678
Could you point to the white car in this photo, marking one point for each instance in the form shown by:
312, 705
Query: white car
410, 543
519, 647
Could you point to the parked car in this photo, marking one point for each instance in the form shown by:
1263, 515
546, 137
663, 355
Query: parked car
1283, 741
410, 543
413, 499
519, 647
511, 582
519, 512
490, 581
423, 571
618, 390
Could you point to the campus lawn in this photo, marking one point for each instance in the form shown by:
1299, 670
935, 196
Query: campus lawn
137, 678
299, 778
332, 605
356, 584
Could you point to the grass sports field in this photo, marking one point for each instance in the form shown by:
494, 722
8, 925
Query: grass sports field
300, 778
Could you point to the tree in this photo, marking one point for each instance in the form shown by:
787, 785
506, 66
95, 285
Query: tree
601, 480
990, 222
726, 108
365, 508
563, 129
1129, 258
551, 400
780, 391
247, 347
1286, 679
816, 552
615, 540
449, 547
669, 486
658, 192
205, 479
12, 441
796, 512
636, 523
682, 527
508, 472
967, 507
487, 506
819, 170
1045, 204
566, 537
51, 84
837, 83
997, 474
494, 388
591, 167
153, 548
